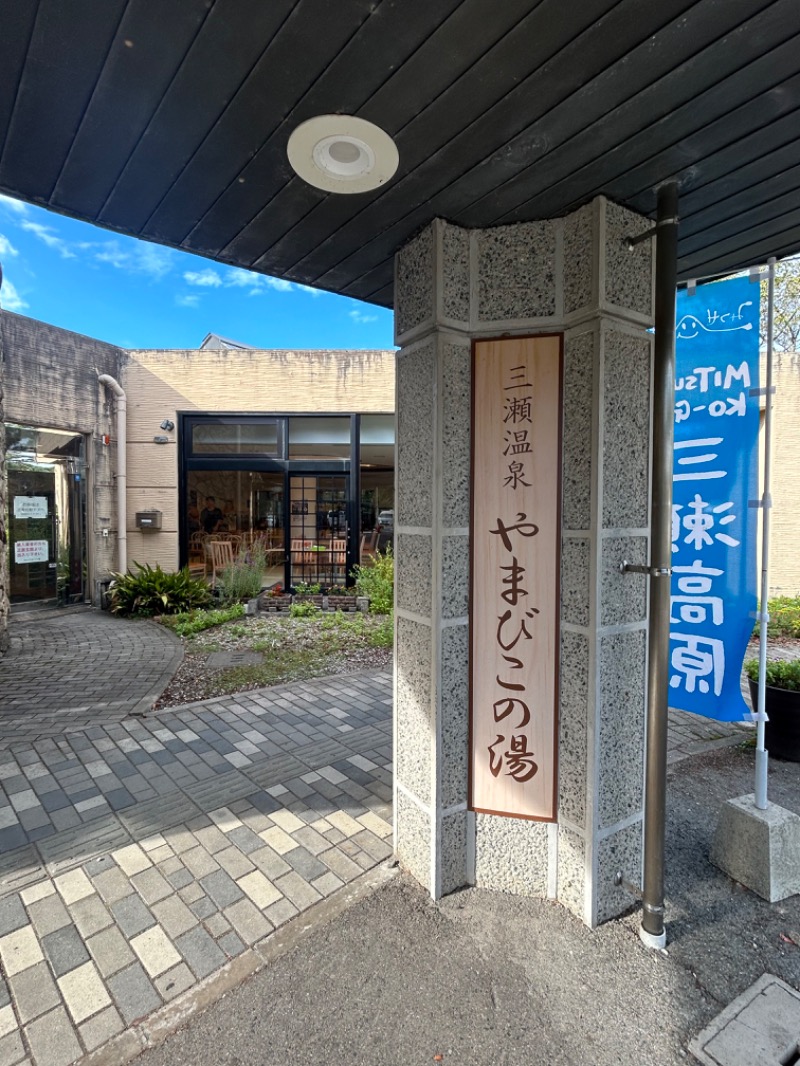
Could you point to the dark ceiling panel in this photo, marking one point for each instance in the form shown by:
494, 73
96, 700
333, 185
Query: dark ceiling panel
17, 20
357, 73
680, 104
142, 56
302, 49
502, 112
568, 57
232, 40
68, 47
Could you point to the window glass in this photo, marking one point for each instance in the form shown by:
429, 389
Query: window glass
236, 438
319, 438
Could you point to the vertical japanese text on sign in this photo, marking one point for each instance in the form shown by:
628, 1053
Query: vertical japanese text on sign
515, 536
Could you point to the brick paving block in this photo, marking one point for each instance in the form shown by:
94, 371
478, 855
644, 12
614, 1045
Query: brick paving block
217, 924
132, 916
181, 878
52, 1039
112, 884
34, 992
191, 893
203, 908
199, 862
327, 884
305, 864
245, 839
212, 839
133, 993
231, 945
13, 915
234, 862
269, 862
200, 952
311, 839
341, 864
90, 916
155, 950
280, 913
343, 822
299, 891
334, 836
180, 839
73, 886
131, 859
222, 889
366, 862
5, 995
64, 950
110, 951
260, 889
278, 840
375, 847
248, 921
84, 992
175, 981
99, 1030
37, 892
174, 916
151, 886
8, 1021
19, 950
12, 1050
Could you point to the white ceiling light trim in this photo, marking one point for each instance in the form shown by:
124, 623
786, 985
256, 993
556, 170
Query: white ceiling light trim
341, 153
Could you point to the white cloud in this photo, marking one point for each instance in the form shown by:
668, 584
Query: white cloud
10, 299
361, 319
48, 236
207, 279
6, 247
17, 206
188, 300
140, 258
309, 290
280, 284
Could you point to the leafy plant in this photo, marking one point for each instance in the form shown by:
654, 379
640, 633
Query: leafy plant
191, 622
784, 616
303, 610
151, 590
302, 589
340, 590
781, 673
377, 582
383, 636
242, 579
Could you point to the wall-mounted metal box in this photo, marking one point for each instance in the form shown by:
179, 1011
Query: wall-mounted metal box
148, 519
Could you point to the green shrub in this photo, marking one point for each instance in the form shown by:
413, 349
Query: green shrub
303, 610
152, 590
242, 579
781, 673
302, 589
191, 622
784, 616
383, 635
377, 582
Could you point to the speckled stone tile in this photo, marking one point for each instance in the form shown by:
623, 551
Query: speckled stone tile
455, 576
414, 831
413, 711
573, 718
621, 724
577, 465
626, 429
580, 268
414, 283
456, 419
571, 871
416, 378
453, 768
453, 860
414, 572
511, 855
455, 273
575, 574
629, 272
620, 851
516, 272
623, 597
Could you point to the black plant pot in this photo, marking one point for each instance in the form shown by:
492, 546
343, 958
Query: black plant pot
782, 738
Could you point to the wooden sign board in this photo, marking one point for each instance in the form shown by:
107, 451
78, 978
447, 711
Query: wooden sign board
515, 544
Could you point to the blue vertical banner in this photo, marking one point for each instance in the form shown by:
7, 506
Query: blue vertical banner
714, 528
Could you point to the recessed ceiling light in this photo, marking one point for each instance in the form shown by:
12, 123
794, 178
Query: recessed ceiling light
340, 153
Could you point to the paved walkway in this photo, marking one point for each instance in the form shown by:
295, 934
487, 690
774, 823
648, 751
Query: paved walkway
145, 859
65, 667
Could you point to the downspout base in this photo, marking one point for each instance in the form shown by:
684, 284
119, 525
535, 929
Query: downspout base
651, 940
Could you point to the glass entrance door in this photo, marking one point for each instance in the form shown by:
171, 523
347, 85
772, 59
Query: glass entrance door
318, 530
47, 516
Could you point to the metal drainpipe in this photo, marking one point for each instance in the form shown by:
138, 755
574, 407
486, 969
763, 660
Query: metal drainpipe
652, 928
122, 472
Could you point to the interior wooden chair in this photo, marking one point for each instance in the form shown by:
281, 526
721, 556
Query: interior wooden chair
221, 554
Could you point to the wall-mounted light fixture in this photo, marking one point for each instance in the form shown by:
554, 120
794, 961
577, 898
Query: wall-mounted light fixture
168, 425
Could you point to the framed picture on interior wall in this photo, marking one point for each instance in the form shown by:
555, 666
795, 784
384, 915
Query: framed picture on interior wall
299, 506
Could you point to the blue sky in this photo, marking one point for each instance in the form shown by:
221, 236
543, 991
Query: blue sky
141, 295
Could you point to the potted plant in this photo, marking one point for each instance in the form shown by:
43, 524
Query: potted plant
782, 704
276, 599
342, 598
308, 593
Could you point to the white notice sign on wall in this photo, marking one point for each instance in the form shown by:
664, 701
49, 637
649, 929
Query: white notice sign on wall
30, 507
31, 551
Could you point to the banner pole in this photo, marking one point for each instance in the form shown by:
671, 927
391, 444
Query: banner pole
762, 756
652, 930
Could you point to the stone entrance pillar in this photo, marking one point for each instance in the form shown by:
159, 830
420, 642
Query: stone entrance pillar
574, 275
